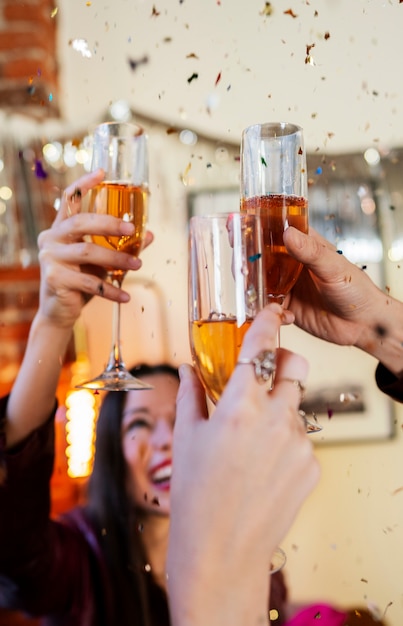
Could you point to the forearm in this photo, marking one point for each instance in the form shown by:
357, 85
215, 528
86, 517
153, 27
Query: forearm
33, 394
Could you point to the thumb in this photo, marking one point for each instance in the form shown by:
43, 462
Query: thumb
313, 250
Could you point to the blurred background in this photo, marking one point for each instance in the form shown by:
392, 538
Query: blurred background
194, 74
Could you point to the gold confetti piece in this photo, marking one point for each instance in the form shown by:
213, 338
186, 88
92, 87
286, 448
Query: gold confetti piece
267, 9
54, 12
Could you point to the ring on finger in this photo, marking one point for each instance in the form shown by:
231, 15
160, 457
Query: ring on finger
297, 383
264, 365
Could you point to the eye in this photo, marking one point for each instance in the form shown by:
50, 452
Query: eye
139, 422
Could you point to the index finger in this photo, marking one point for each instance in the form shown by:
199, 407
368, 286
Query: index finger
73, 194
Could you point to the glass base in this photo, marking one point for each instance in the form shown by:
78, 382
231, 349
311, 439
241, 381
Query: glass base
311, 426
278, 560
114, 380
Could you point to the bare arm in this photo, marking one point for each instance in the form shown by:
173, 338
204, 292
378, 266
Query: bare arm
71, 273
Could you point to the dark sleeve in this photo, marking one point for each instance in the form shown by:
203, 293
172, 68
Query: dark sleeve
35, 551
389, 383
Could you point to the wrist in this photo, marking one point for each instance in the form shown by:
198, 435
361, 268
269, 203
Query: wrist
382, 335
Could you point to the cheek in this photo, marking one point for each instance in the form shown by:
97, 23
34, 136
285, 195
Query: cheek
135, 448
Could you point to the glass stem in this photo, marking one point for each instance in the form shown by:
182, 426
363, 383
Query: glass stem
115, 362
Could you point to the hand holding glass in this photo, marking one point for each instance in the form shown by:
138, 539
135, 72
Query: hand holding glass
226, 291
274, 186
120, 149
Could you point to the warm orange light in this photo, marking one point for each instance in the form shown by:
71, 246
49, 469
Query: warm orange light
80, 432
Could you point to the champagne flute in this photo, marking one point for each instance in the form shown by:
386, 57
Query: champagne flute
226, 291
120, 149
274, 185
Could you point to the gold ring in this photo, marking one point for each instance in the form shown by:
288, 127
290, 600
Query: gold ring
264, 365
297, 383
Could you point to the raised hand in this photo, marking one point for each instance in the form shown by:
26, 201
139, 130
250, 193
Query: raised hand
239, 480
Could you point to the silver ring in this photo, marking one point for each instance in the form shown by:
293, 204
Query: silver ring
264, 364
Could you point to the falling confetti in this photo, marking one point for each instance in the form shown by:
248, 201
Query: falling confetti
193, 77
54, 13
81, 45
134, 63
290, 12
39, 171
267, 9
217, 80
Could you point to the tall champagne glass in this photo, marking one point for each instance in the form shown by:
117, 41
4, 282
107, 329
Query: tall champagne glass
274, 186
120, 149
226, 291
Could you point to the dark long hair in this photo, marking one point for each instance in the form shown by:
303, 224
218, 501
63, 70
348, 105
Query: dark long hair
113, 513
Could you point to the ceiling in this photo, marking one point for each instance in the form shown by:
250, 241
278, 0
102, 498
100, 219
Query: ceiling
332, 66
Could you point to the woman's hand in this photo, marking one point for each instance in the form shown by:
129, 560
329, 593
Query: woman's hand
72, 267
336, 300
239, 480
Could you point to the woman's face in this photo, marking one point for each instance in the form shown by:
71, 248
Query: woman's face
147, 429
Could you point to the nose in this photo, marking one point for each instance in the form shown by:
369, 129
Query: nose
162, 435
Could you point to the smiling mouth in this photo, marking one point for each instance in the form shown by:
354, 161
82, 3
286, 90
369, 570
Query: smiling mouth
161, 478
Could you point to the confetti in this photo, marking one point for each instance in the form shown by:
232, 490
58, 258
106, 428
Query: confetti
39, 171
309, 58
54, 13
290, 12
217, 80
155, 13
81, 45
193, 77
134, 63
267, 9
263, 161
254, 257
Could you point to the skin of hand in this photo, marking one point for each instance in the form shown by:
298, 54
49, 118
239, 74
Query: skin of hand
239, 480
72, 271
337, 301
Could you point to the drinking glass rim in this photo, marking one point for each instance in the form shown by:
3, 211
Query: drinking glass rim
138, 130
286, 129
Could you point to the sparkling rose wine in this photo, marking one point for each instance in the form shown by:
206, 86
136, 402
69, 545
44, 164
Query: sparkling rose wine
215, 346
277, 213
128, 202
